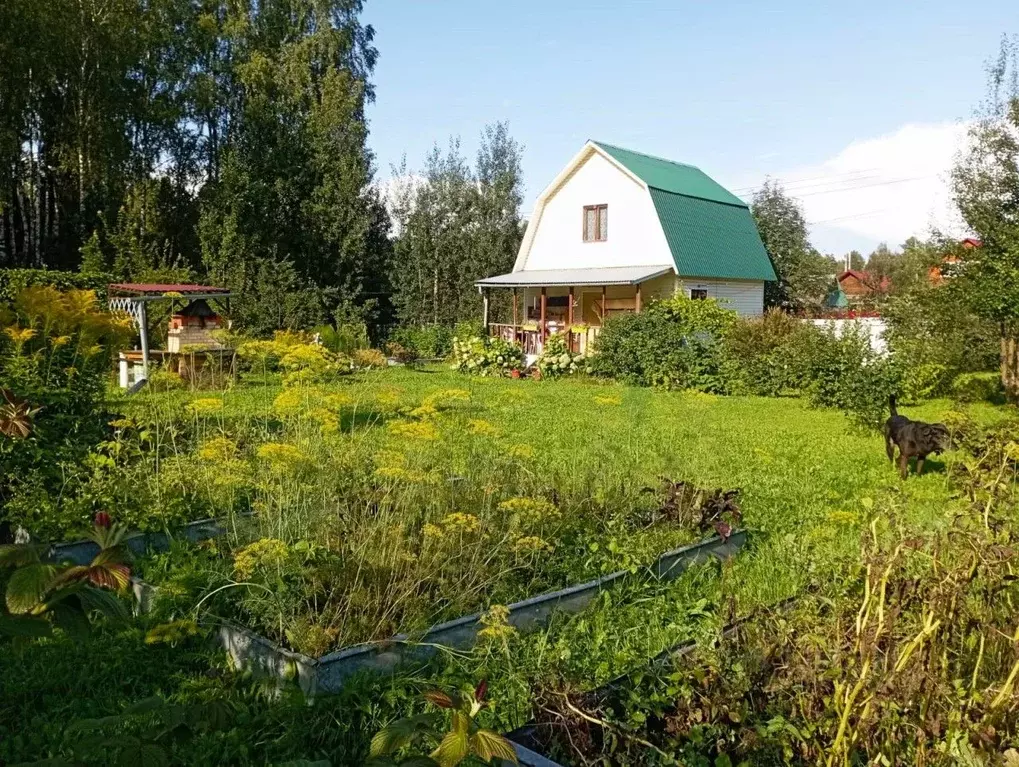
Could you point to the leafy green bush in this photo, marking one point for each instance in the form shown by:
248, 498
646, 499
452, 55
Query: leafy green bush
430, 341
557, 360
345, 339
56, 351
676, 343
842, 370
434, 341
935, 337
755, 353
486, 356
13, 281
976, 387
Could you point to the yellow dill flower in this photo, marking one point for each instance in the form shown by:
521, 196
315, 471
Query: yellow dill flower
390, 458
532, 509
424, 410
19, 335
61, 341
205, 406
390, 472
460, 522
481, 428
217, 449
446, 397
281, 454
266, 552
431, 531
327, 420
603, 399
522, 450
531, 544
423, 430
496, 624
291, 401
843, 517
336, 400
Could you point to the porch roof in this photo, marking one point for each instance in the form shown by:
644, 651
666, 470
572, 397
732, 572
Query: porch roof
608, 275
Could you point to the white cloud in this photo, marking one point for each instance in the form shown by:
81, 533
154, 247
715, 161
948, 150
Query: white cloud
882, 189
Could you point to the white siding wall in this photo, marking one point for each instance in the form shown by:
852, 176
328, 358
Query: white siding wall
635, 236
745, 297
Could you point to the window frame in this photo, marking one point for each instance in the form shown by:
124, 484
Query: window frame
599, 236
703, 294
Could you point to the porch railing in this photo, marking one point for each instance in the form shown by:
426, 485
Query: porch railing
580, 338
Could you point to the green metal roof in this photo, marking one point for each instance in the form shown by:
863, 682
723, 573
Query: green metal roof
709, 230
671, 176
708, 239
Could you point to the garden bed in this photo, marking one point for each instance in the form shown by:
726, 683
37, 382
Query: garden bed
328, 673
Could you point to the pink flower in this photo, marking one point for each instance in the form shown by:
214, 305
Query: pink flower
102, 519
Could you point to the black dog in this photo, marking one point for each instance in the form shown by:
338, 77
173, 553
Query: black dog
913, 438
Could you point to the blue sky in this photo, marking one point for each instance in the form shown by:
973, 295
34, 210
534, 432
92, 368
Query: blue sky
856, 106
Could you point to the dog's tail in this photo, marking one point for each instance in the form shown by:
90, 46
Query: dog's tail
891, 404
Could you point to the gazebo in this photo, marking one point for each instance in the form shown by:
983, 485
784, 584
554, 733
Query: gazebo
190, 315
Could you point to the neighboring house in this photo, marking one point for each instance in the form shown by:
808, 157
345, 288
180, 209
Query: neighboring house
858, 285
617, 228
936, 274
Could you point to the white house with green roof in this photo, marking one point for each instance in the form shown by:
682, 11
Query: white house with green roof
617, 228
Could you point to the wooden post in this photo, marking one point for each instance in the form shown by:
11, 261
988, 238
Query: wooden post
143, 330
637, 299
515, 323
544, 322
604, 299
569, 321
484, 301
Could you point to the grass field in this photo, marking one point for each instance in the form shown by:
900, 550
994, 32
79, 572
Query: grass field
810, 485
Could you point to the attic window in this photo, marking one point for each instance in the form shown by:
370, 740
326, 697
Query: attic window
596, 223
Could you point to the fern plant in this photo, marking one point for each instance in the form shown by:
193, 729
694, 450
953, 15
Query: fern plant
462, 742
40, 595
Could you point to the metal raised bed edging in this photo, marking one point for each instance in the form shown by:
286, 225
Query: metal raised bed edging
329, 672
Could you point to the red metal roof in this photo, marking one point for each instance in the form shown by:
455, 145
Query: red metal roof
146, 288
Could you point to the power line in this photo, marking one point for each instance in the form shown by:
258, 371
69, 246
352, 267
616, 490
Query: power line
786, 185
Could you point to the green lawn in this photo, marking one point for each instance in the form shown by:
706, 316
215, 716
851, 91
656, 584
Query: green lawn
810, 485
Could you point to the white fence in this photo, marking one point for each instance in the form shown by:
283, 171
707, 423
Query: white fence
873, 327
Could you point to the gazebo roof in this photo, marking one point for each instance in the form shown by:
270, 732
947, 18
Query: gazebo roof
158, 289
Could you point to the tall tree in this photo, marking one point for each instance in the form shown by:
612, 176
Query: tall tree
985, 182
804, 275
457, 225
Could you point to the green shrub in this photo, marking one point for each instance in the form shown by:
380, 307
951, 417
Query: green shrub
56, 351
163, 380
486, 356
935, 337
676, 343
344, 339
976, 387
755, 353
429, 342
369, 358
557, 360
13, 281
842, 370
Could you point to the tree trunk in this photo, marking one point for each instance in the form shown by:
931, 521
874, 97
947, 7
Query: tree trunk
1010, 364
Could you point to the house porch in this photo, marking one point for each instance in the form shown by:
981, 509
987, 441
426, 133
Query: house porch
575, 302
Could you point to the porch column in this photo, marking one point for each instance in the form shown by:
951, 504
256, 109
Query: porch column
515, 323
637, 300
569, 322
484, 301
604, 299
569, 309
544, 323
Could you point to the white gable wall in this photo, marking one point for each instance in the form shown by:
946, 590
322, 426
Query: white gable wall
635, 236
